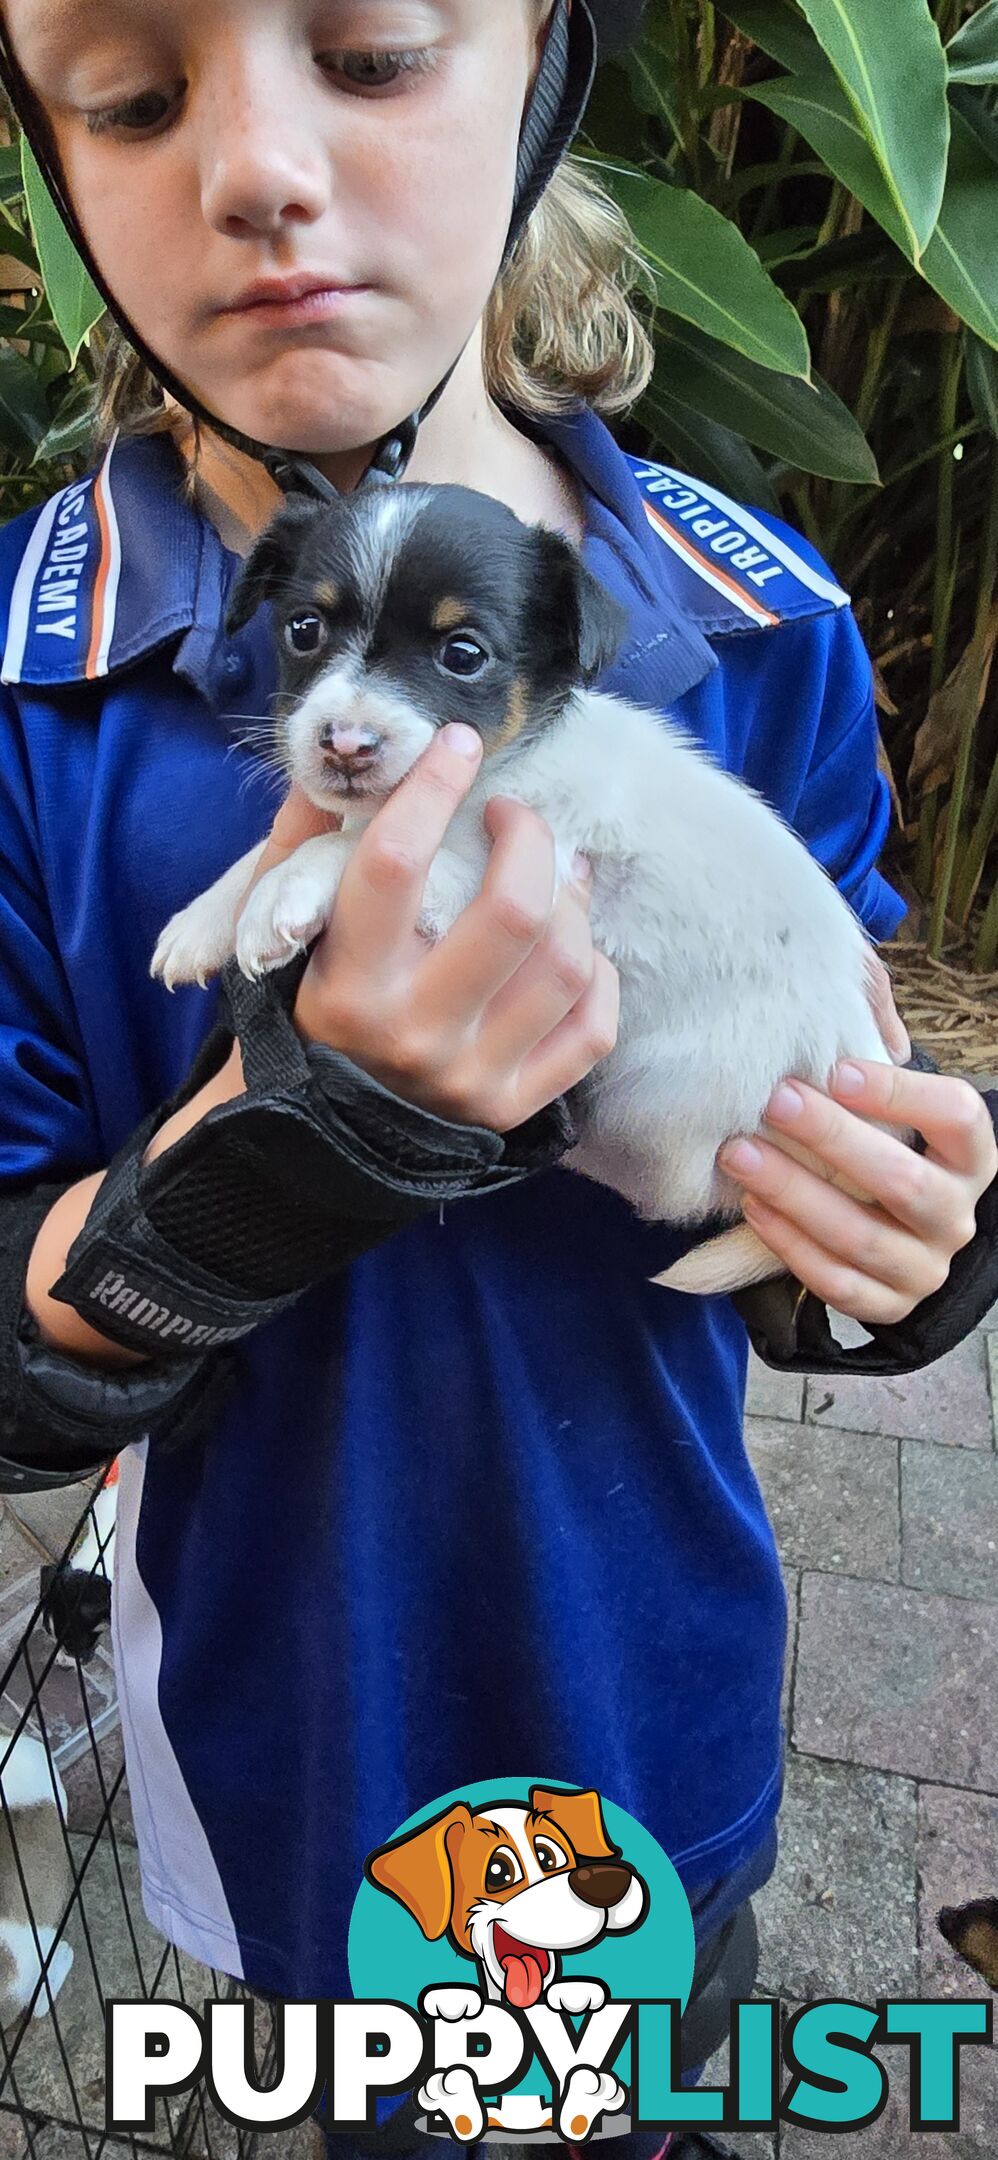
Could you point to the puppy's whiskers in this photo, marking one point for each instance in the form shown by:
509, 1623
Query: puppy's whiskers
273, 782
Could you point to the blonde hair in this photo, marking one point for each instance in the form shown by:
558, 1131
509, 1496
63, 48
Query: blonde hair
561, 327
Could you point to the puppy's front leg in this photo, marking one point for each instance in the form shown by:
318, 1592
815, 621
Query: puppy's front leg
291, 904
200, 938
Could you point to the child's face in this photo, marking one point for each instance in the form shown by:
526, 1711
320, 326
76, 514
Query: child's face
207, 144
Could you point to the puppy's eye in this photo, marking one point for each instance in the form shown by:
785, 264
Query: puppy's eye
463, 655
304, 634
501, 1871
549, 1856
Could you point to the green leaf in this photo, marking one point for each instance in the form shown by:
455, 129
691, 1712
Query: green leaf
863, 258
18, 323
651, 67
708, 452
979, 108
71, 430
891, 62
777, 29
72, 296
982, 382
24, 413
18, 244
706, 272
961, 260
809, 429
10, 172
973, 53
818, 108
787, 246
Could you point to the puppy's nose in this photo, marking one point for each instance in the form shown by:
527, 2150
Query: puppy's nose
601, 1883
349, 745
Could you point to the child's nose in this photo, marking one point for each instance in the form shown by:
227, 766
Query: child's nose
260, 171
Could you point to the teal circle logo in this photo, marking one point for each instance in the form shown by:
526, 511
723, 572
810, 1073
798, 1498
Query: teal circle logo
515, 1886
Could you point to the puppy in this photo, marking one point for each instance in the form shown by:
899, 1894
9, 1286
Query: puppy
35, 1878
398, 609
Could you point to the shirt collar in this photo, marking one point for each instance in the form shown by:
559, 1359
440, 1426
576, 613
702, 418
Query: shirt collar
120, 562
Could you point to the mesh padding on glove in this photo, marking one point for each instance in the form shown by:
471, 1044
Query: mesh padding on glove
312, 1166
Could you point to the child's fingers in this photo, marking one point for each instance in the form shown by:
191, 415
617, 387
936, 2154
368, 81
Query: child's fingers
837, 1282
951, 1116
381, 893
546, 987
502, 928
849, 1231
298, 819
913, 1190
885, 1012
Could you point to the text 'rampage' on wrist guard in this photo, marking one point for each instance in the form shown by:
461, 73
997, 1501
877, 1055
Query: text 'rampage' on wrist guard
312, 1166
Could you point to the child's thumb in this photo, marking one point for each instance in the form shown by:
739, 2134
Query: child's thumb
298, 819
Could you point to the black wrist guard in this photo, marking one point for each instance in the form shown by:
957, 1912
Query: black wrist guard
789, 1327
312, 1166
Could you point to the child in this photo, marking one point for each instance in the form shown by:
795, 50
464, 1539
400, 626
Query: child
478, 1502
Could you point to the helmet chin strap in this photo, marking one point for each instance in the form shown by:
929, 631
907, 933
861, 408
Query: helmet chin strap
552, 119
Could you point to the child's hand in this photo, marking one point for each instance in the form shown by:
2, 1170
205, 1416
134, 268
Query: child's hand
875, 1259
509, 1010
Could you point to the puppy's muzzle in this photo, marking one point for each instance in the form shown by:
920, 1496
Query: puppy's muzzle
602, 1883
349, 749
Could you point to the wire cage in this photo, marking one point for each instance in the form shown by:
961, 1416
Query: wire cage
73, 1932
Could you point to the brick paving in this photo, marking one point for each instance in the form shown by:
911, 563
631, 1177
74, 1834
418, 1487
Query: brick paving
884, 1499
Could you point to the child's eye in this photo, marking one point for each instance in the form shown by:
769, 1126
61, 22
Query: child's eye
462, 655
376, 70
144, 114
137, 115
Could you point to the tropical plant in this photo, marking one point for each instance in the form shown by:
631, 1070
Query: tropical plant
816, 188
815, 184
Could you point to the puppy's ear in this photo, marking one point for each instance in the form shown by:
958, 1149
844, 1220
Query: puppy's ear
268, 562
579, 605
602, 625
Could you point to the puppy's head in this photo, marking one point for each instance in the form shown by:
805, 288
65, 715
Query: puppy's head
400, 608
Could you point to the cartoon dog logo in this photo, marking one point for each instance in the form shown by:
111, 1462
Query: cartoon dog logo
515, 1888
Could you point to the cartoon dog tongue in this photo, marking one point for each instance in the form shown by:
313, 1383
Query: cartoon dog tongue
523, 1969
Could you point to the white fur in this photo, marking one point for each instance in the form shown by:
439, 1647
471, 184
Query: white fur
35, 1878
739, 961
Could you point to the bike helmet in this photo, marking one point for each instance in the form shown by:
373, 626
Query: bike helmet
579, 33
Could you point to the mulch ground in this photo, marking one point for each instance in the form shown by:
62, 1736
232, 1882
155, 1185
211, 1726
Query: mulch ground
950, 1012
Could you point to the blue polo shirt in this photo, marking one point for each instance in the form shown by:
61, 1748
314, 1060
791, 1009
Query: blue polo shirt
481, 1505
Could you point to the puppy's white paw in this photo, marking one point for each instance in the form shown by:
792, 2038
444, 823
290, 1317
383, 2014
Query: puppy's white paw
588, 2094
291, 904
283, 913
452, 2003
576, 1996
200, 938
454, 2093
195, 944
